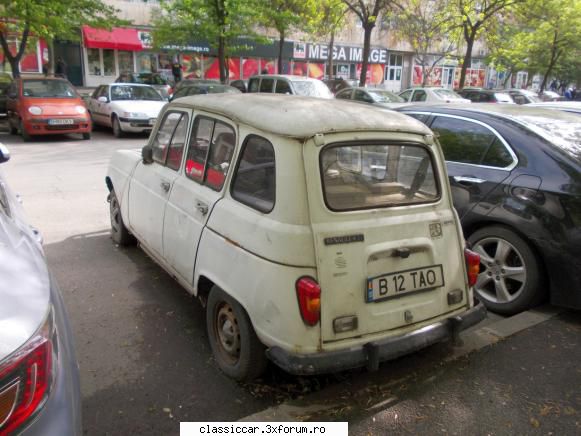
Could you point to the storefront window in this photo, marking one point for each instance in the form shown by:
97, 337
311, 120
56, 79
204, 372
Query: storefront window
165, 62
125, 61
29, 62
109, 62
145, 62
94, 61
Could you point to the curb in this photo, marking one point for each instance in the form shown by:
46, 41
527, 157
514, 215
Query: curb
471, 340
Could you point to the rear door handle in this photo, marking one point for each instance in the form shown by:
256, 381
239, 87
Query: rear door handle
202, 207
165, 186
468, 180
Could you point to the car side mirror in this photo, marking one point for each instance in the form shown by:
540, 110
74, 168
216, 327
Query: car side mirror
4, 153
103, 99
147, 154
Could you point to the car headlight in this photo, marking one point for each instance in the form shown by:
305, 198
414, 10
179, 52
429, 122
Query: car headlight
135, 115
35, 110
80, 109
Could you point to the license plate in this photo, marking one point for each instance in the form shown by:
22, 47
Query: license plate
404, 282
61, 121
152, 121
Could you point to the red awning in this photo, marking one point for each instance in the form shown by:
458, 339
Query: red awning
118, 38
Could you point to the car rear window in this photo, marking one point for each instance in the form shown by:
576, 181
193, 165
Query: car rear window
364, 176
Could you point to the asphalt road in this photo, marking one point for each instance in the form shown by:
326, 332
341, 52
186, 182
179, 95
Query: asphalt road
142, 348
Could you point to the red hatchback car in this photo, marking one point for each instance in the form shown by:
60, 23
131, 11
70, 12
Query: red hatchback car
46, 106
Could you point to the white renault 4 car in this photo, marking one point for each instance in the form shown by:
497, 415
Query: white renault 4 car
318, 234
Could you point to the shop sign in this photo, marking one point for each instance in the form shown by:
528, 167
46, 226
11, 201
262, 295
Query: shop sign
340, 53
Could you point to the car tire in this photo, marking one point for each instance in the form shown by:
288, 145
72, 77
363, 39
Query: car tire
13, 130
25, 135
117, 130
119, 233
236, 348
87, 135
511, 276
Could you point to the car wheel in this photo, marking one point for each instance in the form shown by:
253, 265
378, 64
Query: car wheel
87, 135
13, 130
119, 233
511, 278
25, 135
117, 131
235, 346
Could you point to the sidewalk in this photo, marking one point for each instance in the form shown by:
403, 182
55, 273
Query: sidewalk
526, 384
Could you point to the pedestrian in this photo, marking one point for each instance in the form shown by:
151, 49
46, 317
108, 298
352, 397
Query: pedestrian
574, 93
60, 68
554, 85
569, 93
176, 70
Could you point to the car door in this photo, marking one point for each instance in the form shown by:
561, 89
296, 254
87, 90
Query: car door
94, 105
151, 184
478, 160
195, 192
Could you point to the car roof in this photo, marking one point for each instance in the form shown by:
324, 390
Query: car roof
302, 117
290, 77
129, 84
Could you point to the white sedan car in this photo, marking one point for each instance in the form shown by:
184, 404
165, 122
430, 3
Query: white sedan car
125, 107
432, 95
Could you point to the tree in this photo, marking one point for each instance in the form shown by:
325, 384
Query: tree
49, 19
428, 29
220, 22
285, 16
368, 11
473, 17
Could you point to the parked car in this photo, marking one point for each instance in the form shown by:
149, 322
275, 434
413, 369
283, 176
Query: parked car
524, 96
5, 81
479, 95
337, 84
374, 96
515, 173
190, 82
125, 107
432, 95
566, 106
550, 96
321, 231
241, 85
39, 375
159, 82
46, 106
204, 88
289, 84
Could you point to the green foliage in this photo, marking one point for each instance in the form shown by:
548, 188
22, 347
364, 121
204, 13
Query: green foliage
326, 18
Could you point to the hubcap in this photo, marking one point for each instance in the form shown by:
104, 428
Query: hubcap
502, 275
227, 332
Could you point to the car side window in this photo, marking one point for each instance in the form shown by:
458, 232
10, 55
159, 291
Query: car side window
497, 155
177, 144
254, 183
362, 96
164, 136
253, 85
518, 99
344, 94
419, 95
420, 117
406, 95
266, 85
283, 87
461, 140
210, 153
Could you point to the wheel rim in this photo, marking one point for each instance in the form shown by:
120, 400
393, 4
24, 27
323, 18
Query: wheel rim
503, 272
115, 213
227, 333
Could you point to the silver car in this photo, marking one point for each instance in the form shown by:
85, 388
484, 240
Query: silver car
39, 376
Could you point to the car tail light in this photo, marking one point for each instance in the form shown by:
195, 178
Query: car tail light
25, 379
309, 296
472, 266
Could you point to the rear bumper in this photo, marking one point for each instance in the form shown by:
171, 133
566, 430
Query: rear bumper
372, 353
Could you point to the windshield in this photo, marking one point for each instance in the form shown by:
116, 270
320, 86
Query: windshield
130, 92
312, 88
561, 129
384, 97
370, 176
446, 93
48, 89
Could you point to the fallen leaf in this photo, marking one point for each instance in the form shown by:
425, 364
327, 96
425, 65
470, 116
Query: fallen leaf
535, 423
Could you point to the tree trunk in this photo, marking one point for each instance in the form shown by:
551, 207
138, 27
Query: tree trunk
15, 60
330, 64
221, 59
554, 56
280, 48
51, 62
467, 56
366, 48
